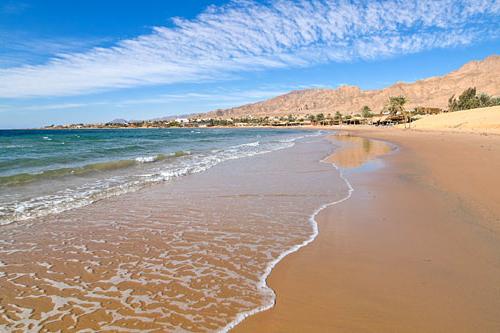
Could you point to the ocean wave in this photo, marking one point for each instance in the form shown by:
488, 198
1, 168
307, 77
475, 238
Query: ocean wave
160, 157
252, 144
116, 185
25, 178
150, 159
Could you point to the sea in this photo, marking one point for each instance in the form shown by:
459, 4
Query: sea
49, 171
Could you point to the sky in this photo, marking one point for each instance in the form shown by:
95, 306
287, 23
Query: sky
93, 61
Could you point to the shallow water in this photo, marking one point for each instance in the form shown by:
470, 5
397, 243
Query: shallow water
47, 171
358, 152
188, 255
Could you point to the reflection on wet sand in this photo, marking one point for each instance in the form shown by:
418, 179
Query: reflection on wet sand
355, 150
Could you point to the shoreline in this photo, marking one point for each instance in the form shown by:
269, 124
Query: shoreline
156, 249
167, 173
263, 284
344, 300
413, 177
345, 127
485, 121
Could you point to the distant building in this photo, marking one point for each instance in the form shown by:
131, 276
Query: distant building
427, 110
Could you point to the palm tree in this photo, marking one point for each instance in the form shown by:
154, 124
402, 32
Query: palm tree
312, 118
366, 112
320, 118
338, 116
396, 105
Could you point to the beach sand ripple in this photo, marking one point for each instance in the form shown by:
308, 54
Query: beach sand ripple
185, 256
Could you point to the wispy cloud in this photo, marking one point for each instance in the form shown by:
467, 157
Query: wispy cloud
235, 97
250, 36
213, 99
44, 107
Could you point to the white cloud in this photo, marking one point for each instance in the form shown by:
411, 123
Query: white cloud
61, 106
248, 36
222, 97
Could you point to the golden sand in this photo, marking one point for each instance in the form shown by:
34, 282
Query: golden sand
482, 120
415, 249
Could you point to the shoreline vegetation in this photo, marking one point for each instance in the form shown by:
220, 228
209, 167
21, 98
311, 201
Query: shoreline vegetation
393, 113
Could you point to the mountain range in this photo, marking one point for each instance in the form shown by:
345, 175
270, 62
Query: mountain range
430, 92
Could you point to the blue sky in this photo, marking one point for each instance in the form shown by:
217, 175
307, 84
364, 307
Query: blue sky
93, 61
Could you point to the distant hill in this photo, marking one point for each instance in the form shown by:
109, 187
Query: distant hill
430, 92
118, 121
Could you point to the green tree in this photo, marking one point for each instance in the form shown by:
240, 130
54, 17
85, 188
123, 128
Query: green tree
397, 105
495, 101
452, 104
320, 118
312, 118
174, 124
366, 112
338, 117
470, 100
484, 100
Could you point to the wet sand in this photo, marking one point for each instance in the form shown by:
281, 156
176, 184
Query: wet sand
354, 151
415, 249
188, 255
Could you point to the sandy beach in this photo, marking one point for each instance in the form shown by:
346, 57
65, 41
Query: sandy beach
191, 254
415, 249
481, 120
249, 166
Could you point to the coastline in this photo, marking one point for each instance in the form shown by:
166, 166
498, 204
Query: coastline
270, 267
485, 120
383, 262
191, 254
365, 261
81, 174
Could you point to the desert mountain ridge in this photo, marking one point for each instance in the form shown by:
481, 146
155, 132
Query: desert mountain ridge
430, 92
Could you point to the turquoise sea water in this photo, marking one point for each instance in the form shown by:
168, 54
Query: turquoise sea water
48, 171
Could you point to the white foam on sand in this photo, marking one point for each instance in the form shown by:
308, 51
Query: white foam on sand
263, 286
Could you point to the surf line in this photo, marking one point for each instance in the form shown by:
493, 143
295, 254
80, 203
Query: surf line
262, 285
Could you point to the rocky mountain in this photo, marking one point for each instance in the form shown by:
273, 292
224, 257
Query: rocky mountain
430, 92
